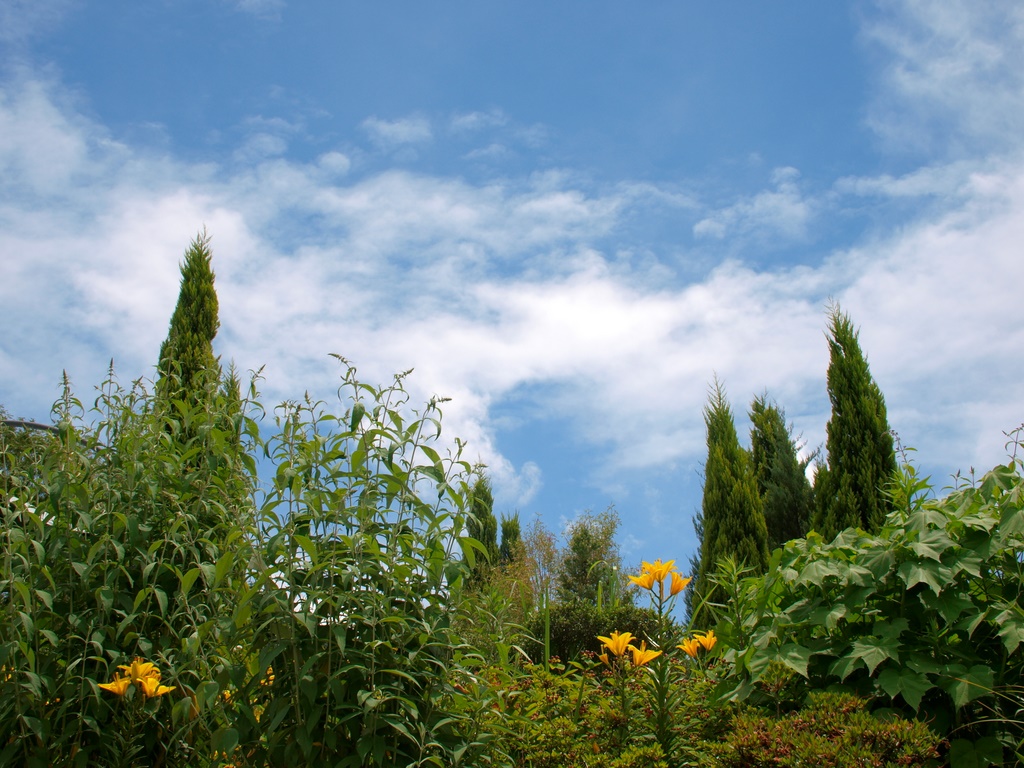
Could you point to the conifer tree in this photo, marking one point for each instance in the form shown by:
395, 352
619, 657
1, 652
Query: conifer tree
689, 596
511, 538
483, 526
849, 487
187, 366
731, 508
782, 484
188, 371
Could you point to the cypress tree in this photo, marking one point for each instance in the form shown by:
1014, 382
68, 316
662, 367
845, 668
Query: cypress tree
849, 487
690, 595
483, 526
733, 521
511, 539
187, 366
782, 484
188, 371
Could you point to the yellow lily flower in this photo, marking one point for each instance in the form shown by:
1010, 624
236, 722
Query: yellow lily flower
679, 583
140, 670
604, 657
644, 580
617, 643
690, 647
118, 686
707, 639
659, 569
641, 655
151, 687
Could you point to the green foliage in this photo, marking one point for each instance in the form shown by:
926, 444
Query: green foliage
834, 731
576, 625
115, 545
926, 615
309, 626
483, 527
850, 490
786, 496
591, 556
733, 523
353, 595
562, 719
511, 539
187, 363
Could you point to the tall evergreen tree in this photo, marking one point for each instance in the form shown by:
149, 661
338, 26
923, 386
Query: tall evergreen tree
188, 371
849, 488
732, 517
511, 538
187, 366
483, 526
689, 596
782, 484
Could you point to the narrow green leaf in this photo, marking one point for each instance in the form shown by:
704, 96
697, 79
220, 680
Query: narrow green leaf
189, 579
358, 411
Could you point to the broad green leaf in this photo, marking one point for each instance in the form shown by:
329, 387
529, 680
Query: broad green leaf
924, 518
921, 573
932, 544
967, 687
911, 685
1012, 521
795, 657
1011, 627
161, 599
828, 615
890, 631
817, 571
879, 561
949, 605
982, 753
844, 666
874, 650
224, 740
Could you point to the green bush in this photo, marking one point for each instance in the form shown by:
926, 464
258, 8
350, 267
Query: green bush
576, 625
925, 617
117, 543
834, 731
563, 719
306, 624
353, 593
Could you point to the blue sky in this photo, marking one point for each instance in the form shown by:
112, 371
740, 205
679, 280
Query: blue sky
566, 217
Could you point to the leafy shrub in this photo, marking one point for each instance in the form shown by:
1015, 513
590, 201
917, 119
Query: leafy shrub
834, 731
309, 624
926, 615
117, 544
576, 625
562, 719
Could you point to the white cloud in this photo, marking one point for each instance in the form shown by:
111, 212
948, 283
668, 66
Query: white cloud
22, 19
953, 73
392, 133
946, 180
335, 162
782, 211
259, 146
488, 289
470, 122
